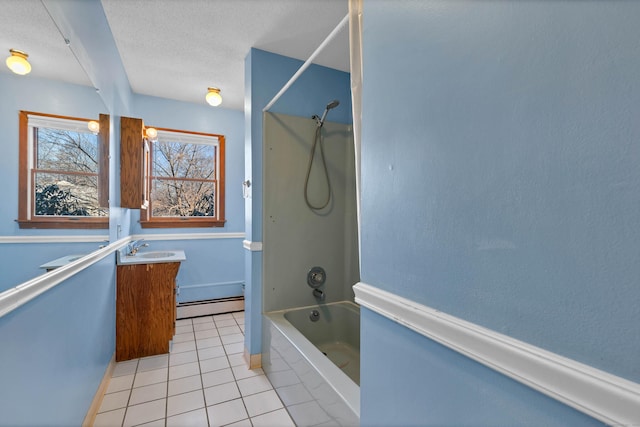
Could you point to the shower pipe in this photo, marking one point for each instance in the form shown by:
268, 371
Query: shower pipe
308, 62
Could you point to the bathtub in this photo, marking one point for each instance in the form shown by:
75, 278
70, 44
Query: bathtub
315, 366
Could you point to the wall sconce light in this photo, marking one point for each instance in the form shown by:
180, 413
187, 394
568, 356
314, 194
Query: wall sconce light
151, 133
94, 127
18, 63
213, 96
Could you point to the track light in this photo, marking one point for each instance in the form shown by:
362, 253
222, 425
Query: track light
213, 96
18, 63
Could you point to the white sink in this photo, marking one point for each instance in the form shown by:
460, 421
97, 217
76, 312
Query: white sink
151, 257
156, 254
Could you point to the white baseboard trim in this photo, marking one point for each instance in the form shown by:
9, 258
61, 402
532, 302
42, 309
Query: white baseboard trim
606, 397
252, 246
210, 307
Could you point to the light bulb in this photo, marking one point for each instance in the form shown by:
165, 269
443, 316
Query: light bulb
152, 133
18, 63
94, 126
213, 97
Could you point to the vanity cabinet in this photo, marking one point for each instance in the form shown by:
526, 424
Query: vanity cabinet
145, 309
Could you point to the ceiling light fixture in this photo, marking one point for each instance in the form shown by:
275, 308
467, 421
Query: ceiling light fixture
18, 63
94, 126
213, 96
151, 133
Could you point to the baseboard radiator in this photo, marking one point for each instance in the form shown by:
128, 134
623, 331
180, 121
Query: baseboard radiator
208, 307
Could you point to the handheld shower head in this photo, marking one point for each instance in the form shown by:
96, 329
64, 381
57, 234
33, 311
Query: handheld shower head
332, 104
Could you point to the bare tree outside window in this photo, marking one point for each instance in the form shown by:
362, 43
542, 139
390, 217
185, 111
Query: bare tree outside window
183, 179
65, 174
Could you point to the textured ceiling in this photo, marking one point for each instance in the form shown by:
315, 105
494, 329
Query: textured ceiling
177, 48
25, 25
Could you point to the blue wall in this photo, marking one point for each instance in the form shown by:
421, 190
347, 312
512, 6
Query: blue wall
265, 74
55, 349
508, 137
217, 261
19, 262
210, 262
440, 387
166, 113
42, 96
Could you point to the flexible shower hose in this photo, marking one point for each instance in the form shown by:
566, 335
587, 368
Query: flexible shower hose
316, 140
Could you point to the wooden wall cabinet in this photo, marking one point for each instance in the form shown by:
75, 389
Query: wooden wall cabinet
134, 164
145, 309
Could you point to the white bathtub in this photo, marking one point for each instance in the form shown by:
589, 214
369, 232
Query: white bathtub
297, 358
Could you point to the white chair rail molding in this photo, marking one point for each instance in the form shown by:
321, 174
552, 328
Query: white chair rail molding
604, 396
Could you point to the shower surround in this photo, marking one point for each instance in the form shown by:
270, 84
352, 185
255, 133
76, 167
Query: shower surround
296, 238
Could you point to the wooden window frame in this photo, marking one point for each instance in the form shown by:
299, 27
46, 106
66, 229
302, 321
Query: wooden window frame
149, 221
26, 192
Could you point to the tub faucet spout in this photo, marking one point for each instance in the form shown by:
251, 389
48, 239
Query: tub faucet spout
318, 294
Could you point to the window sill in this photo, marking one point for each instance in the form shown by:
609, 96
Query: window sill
62, 223
189, 222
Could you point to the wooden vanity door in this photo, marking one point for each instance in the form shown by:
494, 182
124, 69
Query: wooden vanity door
145, 309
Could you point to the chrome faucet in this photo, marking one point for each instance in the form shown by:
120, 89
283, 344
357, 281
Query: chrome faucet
134, 247
318, 294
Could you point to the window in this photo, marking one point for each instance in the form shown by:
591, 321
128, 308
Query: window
186, 180
63, 169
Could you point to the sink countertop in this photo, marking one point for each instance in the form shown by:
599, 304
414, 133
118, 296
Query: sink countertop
151, 257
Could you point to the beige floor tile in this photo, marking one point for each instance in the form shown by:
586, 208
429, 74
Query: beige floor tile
148, 393
211, 352
226, 413
221, 393
197, 418
254, 385
145, 412
186, 384
214, 364
153, 362
185, 402
182, 358
120, 383
110, 418
115, 400
185, 370
150, 377
220, 376
278, 418
261, 403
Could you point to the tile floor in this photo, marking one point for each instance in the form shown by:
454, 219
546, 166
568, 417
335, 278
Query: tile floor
203, 381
